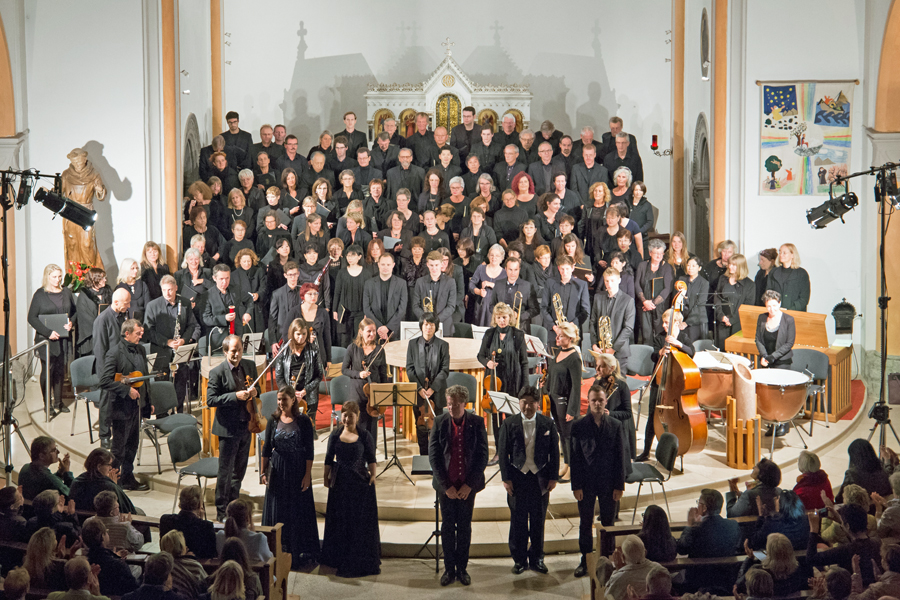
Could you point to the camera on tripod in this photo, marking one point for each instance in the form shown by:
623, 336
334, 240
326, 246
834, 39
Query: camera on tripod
881, 412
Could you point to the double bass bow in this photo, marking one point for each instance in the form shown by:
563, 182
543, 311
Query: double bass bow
492, 383
678, 379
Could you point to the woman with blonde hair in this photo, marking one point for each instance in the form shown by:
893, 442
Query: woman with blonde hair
564, 386
187, 573
228, 582
129, 279
237, 209
789, 279
43, 570
593, 217
618, 396
735, 289
53, 299
780, 562
364, 363
677, 254
481, 284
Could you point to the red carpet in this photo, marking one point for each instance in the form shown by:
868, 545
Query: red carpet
857, 397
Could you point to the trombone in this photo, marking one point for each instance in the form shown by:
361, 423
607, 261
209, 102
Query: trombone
517, 301
428, 303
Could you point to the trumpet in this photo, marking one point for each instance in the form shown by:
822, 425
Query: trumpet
558, 308
428, 303
604, 330
517, 301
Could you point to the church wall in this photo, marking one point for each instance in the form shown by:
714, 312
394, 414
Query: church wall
797, 41
194, 52
85, 82
584, 64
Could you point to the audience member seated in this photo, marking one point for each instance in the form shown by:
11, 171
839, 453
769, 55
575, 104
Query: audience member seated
239, 524
888, 583
760, 585
780, 562
835, 584
17, 583
812, 481
100, 476
12, 524
783, 514
115, 576
887, 513
832, 532
631, 569
82, 581
228, 583
43, 570
199, 534
659, 585
708, 535
35, 477
235, 551
865, 469
854, 518
657, 535
188, 575
157, 580
767, 476
50, 510
121, 532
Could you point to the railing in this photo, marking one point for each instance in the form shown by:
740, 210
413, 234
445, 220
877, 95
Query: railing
46, 375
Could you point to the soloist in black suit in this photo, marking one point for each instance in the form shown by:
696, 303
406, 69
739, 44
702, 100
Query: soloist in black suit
107, 332
125, 412
373, 305
428, 361
530, 496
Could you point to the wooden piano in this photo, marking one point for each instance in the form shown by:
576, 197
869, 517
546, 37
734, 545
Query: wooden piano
811, 333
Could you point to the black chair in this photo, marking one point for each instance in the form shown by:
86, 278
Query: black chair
341, 390
639, 363
463, 330
86, 386
185, 444
704, 345
269, 404
337, 358
815, 364
163, 399
470, 383
666, 453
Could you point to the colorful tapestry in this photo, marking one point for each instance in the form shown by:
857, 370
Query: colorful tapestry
804, 136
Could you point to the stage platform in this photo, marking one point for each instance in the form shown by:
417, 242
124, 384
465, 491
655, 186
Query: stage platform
407, 511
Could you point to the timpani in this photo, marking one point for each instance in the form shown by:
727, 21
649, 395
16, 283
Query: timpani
207, 364
463, 359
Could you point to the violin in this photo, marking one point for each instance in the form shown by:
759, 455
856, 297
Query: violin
426, 411
546, 406
492, 383
257, 422
678, 379
135, 379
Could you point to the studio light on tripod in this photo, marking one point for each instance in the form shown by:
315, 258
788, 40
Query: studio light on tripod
24, 191
68, 210
831, 210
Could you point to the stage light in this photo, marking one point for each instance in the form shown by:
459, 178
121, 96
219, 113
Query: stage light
5, 200
831, 210
68, 210
25, 186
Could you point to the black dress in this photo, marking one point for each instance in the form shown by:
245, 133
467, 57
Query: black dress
140, 297
352, 543
564, 388
151, 278
288, 446
348, 296
87, 308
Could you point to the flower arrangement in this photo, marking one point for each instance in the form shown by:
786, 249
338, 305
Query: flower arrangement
75, 273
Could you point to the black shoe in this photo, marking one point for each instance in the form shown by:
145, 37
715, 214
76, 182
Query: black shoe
494, 461
447, 578
769, 431
539, 566
106, 443
62, 408
581, 571
463, 578
518, 569
133, 485
642, 457
782, 430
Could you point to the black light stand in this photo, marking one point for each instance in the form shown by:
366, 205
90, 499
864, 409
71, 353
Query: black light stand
5, 392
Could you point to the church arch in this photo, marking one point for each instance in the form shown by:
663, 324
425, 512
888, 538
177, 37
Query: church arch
700, 209
191, 153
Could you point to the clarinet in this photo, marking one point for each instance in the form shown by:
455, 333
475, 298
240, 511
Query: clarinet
173, 368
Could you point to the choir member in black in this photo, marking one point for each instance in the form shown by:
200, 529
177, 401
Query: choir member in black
355, 139
283, 301
587, 172
653, 285
127, 404
251, 280
428, 366
342, 159
547, 219
508, 220
314, 232
457, 274
237, 243
482, 236
434, 237
506, 289
348, 190
321, 192
405, 175
200, 224
198, 194
224, 308
351, 544
663, 340
599, 467
411, 219
482, 283
541, 171
394, 228
413, 268
618, 405
53, 299
565, 159
465, 134
538, 274
503, 352
364, 173
458, 453
526, 199
593, 217
624, 240
325, 146
528, 447
276, 261
716, 268
265, 238
775, 334
571, 247
348, 295
439, 290
374, 251
354, 234
735, 290
264, 172
93, 298
377, 204
227, 392
677, 254
766, 262
789, 279
364, 363
129, 279
573, 296
385, 155
641, 210
291, 159
194, 283
311, 269
567, 226
276, 205
433, 192
486, 190
488, 151
530, 238
617, 261
287, 459
162, 315
623, 156
607, 241
461, 206
563, 385
309, 179
221, 169
300, 367
621, 181
152, 271
695, 300
290, 190
106, 334
570, 201
618, 307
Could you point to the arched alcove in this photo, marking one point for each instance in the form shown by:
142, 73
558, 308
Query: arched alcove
700, 217
191, 153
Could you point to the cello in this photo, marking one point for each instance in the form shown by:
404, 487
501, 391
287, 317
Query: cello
678, 379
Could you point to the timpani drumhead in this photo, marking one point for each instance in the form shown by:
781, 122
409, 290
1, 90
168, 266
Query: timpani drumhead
780, 394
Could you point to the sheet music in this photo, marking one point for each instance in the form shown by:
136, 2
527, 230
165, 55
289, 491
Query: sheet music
534, 345
478, 332
505, 403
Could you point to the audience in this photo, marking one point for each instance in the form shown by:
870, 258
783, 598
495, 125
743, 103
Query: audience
115, 576
121, 533
100, 476
708, 535
832, 531
767, 476
13, 526
35, 477
82, 581
228, 583
16, 584
44, 571
234, 551
812, 481
780, 562
50, 510
865, 469
657, 536
783, 514
868, 549
199, 534
157, 580
888, 583
631, 569
239, 524
888, 513
187, 574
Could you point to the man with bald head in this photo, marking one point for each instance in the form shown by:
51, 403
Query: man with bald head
405, 175
107, 333
433, 156
507, 134
509, 168
267, 145
237, 158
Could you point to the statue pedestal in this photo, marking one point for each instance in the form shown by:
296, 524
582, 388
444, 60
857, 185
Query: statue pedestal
742, 438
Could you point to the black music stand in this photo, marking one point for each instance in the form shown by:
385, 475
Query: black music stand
422, 466
506, 404
395, 395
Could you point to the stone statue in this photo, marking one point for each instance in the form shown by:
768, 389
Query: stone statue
80, 182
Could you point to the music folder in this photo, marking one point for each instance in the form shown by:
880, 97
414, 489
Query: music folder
252, 342
56, 323
581, 273
322, 210
390, 242
183, 354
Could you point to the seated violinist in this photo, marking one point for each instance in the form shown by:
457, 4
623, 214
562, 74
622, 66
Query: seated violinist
428, 365
663, 341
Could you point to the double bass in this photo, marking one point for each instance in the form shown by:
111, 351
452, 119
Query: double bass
678, 379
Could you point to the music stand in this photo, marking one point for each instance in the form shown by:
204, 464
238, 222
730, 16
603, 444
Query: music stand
422, 466
182, 357
506, 404
394, 395
254, 342
534, 345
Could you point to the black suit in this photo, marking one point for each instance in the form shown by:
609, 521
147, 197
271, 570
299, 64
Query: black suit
792, 284
215, 312
356, 139
583, 178
504, 174
398, 178
385, 159
456, 528
576, 306
488, 156
107, 332
125, 412
199, 534
444, 298
436, 369
391, 315
463, 139
543, 178
284, 300
231, 427
159, 324
506, 293
530, 495
620, 310
782, 357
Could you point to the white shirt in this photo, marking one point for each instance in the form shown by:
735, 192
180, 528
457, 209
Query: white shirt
529, 426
